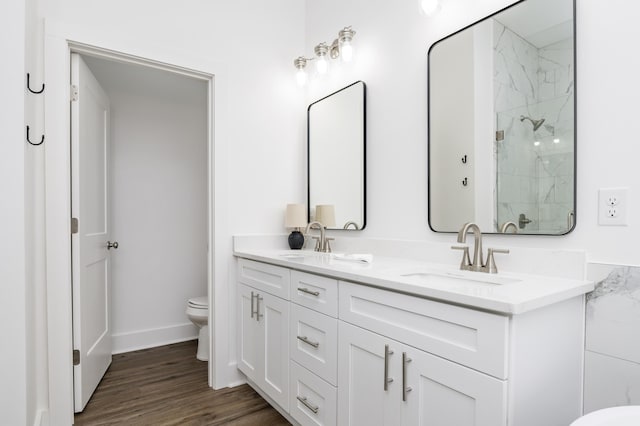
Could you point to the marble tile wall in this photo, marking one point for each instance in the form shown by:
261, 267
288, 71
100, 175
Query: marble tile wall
536, 180
612, 357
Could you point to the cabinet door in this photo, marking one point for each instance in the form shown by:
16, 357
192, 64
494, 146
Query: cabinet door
274, 322
362, 398
249, 334
443, 393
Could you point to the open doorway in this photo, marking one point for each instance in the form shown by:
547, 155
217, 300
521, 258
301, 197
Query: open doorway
143, 133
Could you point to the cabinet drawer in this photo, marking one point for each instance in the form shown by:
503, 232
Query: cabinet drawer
314, 342
473, 338
315, 292
313, 402
262, 276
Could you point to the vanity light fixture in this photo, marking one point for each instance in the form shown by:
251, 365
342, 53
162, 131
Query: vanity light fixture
340, 48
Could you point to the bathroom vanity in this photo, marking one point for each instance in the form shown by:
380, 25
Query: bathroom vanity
402, 342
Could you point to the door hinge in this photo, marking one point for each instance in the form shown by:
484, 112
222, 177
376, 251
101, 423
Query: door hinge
74, 93
74, 225
499, 135
76, 357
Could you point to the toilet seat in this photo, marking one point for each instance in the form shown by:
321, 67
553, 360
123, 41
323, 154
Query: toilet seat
615, 416
201, 302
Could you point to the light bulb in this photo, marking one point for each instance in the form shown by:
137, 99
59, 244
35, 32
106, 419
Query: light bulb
346, 51
301, 77
556, 140
429, 7
536, 143
322, 65
321, 51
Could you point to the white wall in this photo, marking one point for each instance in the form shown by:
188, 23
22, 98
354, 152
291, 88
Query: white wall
392, 41
16, 395
158, 187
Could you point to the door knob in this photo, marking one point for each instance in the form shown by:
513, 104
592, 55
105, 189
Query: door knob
111, 245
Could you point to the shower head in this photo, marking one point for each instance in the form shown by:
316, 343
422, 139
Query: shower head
536, 123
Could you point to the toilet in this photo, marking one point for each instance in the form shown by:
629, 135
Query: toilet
198, 313
614, 416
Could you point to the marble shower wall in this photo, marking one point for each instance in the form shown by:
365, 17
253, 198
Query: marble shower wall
612, 356
536, 180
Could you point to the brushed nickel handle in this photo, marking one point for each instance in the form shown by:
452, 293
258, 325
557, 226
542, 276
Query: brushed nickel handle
307, 404
258, 314
311, 292
112, 245
387, 380
405, 388
308, 342
252, 296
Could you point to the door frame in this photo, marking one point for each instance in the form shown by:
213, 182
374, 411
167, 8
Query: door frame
59, 41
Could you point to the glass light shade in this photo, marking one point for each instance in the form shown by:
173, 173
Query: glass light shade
301, 77
322, 65
346, 51
429, 7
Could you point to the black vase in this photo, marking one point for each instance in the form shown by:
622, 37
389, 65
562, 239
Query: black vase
296, 240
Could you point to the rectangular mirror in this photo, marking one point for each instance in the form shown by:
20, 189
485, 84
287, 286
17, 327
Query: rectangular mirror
336, 158
502, 122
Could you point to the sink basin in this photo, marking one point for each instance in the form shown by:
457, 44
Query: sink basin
460, 277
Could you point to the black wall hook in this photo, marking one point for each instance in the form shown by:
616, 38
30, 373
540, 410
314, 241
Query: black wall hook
465, 182
34, 144
33, 91
464, 159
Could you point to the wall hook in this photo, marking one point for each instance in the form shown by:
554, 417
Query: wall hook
29, 86
34, 144
464, 181
464, 159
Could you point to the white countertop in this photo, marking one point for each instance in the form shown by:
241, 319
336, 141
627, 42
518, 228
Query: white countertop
520, 294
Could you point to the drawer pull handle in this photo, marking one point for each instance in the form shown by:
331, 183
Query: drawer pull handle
405, 388
258, 314
311, 292
252, 311
308, 342
387, 380
307, 404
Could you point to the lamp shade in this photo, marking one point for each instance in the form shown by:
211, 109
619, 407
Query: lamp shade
326, 215
296, 216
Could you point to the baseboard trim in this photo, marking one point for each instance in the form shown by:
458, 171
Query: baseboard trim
151, 338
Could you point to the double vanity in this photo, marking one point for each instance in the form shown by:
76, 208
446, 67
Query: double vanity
333, 339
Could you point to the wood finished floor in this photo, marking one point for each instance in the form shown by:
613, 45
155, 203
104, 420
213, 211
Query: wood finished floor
168, 386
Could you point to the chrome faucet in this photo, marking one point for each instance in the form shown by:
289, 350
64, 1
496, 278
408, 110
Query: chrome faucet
477, 246
478, 264
505, 227
322, 244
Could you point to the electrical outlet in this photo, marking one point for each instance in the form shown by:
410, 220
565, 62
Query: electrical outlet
612, 206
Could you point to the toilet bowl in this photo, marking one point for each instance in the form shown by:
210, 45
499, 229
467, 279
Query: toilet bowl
615, 416
198, 313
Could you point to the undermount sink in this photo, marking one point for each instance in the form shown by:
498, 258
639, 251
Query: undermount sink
460, 277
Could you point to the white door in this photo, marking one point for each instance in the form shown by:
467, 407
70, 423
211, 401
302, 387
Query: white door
249, 333
90, 257
273, 314
362, 397
443, 393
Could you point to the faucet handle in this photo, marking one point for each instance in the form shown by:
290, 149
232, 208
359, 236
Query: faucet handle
491, 267
317, 248
465, 264
327, 245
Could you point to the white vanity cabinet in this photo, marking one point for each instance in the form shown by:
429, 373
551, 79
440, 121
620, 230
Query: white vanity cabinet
263, 328
333, 352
